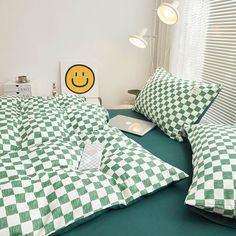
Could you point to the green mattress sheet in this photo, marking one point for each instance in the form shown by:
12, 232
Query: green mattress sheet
162, 213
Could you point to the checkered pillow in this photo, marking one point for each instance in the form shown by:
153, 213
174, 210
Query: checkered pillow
171, 102
214, 161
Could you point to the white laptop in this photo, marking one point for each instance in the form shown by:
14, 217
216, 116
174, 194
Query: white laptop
131, 125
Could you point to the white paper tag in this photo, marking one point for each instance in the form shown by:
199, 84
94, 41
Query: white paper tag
91, 157
196, 91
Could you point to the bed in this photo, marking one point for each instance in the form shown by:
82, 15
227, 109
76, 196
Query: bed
161, 213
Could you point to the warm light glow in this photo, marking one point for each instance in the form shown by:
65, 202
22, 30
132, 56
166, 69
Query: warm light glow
136, 127
138, 41
168, 13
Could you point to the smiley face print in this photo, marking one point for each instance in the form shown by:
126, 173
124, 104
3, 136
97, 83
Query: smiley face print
79, 78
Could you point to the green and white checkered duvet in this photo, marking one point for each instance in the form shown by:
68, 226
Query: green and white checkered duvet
41, 188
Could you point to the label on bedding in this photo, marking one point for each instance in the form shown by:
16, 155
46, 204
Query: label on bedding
91, 157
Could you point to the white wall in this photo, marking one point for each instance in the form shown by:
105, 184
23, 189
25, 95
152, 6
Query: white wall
36, 34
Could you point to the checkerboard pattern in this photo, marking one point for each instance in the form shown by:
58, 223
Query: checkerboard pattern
136, 170
9, 107
8, 102
85, 117
110, 137
214, 161
39, 105
42, 189
41, 128
9, 136
170, 102
69, 100
38, 201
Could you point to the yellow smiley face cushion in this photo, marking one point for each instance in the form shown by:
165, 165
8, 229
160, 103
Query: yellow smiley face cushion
79, 79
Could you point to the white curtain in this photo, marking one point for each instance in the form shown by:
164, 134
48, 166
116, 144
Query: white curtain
163, 42
203, 47
188, 39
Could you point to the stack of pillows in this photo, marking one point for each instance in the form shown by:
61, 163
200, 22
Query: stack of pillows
177, 106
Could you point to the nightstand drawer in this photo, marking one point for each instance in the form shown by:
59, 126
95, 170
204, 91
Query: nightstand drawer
17, 89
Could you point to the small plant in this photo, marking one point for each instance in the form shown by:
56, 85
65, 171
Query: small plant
134, 92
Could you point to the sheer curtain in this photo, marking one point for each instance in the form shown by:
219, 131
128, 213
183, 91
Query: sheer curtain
163, 41
188, 39
202, 46
179, 47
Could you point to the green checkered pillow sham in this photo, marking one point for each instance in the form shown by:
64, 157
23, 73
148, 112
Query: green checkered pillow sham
171, 102
213, 187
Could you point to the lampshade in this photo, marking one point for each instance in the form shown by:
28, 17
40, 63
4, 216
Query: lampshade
168, 12
139, 40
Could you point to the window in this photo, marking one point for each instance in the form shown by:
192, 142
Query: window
219, 65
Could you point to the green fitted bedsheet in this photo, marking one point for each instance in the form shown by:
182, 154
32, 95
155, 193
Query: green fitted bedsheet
162, 213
